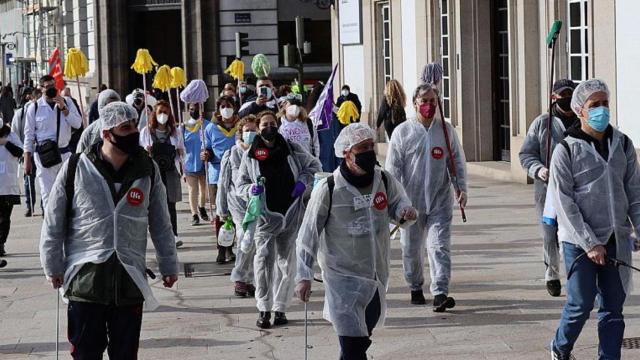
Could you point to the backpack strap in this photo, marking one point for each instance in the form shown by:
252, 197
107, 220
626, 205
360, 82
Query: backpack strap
625, 143
566, 146
69, 186
331, 183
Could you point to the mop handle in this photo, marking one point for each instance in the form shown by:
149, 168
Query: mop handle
306, 334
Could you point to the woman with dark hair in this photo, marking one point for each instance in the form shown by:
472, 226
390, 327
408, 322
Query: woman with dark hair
220, 136
164, 142
288, 171
7, 104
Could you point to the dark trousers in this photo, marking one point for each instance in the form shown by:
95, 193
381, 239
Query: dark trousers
96, 327
6, 208
30, 186
174, 217
355, 348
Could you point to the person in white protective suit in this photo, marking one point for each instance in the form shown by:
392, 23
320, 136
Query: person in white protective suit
533, 157
229, 203
418, 157
91, 134
595, 186
94, 238
288, 171
346, 227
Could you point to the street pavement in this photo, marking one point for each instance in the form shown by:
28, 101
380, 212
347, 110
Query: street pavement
502, 312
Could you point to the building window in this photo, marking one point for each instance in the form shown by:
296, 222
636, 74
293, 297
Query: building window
501, 78
445, 57
578, 40
386, 42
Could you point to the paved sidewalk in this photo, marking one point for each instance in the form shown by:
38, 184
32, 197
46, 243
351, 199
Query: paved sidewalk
502, 312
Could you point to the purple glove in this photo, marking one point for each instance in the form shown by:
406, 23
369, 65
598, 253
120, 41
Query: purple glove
298, 189
257, 189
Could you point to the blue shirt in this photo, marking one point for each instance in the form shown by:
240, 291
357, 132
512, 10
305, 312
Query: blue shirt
218, 142
193, 147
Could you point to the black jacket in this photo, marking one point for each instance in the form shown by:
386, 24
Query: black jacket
390, 116
353, 98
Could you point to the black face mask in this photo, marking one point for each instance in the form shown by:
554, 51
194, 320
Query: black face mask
128, 144
269, 133
195, 114
51, 92
366, 161
564, 104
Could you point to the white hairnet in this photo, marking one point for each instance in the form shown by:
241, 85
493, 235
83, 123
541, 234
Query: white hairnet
116, 113
583, 92
107, 96
351, 135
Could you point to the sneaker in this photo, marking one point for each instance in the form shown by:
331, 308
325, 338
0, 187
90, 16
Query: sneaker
203, 214
263, 320
222, 257
179, 243
28, 213
556, 355
251, 290
554, 287
441, 302
417, 297
230, 255
280, 319
195, 221
2, 251
240, 289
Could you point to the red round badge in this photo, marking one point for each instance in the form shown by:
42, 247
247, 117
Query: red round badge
437, 153
380, 201
262, 154
135, 197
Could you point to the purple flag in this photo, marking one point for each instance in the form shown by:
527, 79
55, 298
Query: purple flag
322, 112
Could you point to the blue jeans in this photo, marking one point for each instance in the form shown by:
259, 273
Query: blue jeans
585, 281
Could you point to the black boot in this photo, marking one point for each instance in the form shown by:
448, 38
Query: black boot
554, 287
222, 255
280, 319
2, 252
195, 221
441, 302
203, 214
251, 290
230, 255
417, 297
263, 320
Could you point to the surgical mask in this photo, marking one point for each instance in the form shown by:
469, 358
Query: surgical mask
51, 92
345, 93
248, 137
599, 118
427, 111
293, 110
366, 161
564, 104
269, 133
195, 114
128, 144
191, 122
162, 118
243, 89
226, 112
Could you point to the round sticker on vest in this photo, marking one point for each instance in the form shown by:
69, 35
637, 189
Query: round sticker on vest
262, 154
135, 197
437, 153
380, 201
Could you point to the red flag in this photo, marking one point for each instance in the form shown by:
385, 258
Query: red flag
55, 66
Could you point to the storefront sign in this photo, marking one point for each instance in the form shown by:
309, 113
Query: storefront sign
350, 14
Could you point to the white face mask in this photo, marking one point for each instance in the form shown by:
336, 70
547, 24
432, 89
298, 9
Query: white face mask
293, 111
226, 113
162, 118
191, 122
345, 92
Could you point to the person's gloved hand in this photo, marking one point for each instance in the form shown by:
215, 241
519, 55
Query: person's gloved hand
257, 189
298, 189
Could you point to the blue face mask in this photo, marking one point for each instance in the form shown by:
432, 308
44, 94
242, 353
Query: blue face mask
248, 137
599, 118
